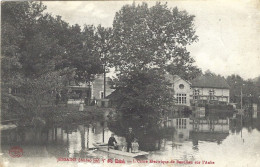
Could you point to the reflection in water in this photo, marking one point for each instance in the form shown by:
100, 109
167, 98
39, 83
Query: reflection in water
199, 130
180, 138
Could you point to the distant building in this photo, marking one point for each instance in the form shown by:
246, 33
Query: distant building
97, 87
92, 92
181, 89
208, 87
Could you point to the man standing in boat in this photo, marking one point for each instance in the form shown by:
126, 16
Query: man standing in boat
129, 139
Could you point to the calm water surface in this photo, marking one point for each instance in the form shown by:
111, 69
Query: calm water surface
223, 142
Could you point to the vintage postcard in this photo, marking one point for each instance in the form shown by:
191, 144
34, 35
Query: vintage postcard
130, 83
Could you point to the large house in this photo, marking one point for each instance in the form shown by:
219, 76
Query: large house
210, 87
181, 89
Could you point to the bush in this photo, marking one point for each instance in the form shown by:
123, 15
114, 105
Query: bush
220, 107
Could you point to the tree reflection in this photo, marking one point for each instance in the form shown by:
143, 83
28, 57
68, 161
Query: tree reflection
148, 133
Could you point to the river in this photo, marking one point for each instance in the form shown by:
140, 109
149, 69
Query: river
222, 142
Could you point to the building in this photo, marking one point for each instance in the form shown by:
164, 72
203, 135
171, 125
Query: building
94, 90
181, 89
210, 88
97, 87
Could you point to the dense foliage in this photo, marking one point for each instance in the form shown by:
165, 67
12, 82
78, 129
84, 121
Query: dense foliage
250, 90
146, 37
147, 42
42, 53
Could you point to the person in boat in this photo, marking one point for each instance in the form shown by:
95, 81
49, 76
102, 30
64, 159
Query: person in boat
135, 146
129, 139
112, 143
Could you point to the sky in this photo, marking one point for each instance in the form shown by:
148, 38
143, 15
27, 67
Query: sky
228, 30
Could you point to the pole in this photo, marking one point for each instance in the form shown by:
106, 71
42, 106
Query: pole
104, 80
241, 99
103, 134
87, 136
241, 120
89, 93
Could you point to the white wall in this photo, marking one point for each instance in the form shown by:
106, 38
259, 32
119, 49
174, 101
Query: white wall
98, 86
186, 90
218, 92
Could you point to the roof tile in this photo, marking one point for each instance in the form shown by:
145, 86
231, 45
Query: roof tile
210, 81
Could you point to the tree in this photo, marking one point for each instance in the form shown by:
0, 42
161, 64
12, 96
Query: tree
18, 20
186, 71
151, 37
146, 41
249, 90
235, 82
104, 43
88, 51
42, 53
144, 94
32, 49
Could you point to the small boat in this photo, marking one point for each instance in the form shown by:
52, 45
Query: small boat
104, 147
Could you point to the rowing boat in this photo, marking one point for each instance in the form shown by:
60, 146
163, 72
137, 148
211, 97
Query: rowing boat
104, 147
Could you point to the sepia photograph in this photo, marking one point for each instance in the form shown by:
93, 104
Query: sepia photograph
130, 83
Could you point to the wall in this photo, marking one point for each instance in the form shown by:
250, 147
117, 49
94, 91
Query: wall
186, 90
98, 86
204, 93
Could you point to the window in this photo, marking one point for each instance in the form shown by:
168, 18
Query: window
181, 99
181, 123
196, 94
181, 86
101, 95
211, 94
184, 123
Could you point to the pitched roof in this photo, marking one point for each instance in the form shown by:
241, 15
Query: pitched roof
210, 81
173, 78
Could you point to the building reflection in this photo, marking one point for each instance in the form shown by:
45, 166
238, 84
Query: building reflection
210, 130
77, 140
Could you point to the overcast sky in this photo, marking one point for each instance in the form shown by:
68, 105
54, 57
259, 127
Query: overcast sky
229, 32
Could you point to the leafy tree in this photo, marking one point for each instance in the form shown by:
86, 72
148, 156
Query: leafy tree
104, 44
249, 90
87, 59
146, 43
32, 49
151, 37
88, 51
41, 53
186, 71
18, 21
144, 94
